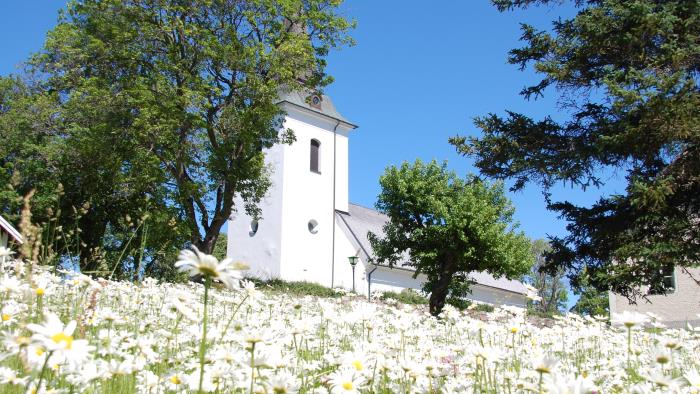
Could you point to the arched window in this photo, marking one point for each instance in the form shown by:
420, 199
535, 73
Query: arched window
315, 152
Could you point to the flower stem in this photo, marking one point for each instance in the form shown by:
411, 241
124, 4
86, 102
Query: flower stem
233, 315
203, 343
629, 346
41, 374
252, 366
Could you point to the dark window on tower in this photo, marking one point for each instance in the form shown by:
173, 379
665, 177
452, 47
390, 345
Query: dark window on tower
315, 148
665, 281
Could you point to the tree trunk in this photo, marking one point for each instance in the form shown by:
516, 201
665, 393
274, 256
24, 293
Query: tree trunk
93, 228
209, 241
440, 292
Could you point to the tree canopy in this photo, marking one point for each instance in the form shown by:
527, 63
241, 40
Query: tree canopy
159, 106
446, 228
626, 75
551, 288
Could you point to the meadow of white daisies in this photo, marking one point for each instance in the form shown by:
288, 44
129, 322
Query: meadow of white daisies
67, 332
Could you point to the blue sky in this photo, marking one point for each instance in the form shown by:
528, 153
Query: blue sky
416, 76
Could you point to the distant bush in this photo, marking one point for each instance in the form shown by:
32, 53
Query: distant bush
484, 308
302, 288
406, 296
539, 313
459, 303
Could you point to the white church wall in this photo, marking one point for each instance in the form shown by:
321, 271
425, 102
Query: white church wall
491, 295
342, 171
343, 270
308, 197
386, 279
261, 250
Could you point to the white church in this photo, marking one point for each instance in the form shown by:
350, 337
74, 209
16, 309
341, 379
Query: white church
309, 230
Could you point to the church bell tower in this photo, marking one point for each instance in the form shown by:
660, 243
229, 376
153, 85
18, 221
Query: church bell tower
296, 236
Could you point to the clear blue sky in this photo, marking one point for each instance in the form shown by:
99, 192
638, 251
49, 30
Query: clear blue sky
416, 76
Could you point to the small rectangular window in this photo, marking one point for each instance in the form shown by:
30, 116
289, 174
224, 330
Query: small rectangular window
665, 281
315, 148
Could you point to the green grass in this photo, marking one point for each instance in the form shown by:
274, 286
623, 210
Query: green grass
406, 296
542, 314
463, 304
295, 288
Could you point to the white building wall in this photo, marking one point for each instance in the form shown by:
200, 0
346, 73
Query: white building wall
284, 247
676, 309
343, 270
261, 250
342, 170
387, 279
308, 196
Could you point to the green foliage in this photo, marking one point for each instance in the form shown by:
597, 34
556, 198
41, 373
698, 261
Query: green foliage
406, 296
484, 308
298, 289
448, 227
220, 249
551, 287
540, 313
591, 301
156, 110
458, 302
626, 73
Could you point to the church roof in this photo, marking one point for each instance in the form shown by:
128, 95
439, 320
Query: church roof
324, 106
359, 220
9, 229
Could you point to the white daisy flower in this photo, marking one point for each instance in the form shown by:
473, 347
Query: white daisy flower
196, 263
57, 338
345, 381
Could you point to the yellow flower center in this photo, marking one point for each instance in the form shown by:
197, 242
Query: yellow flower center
39, 291
62, 337
543, 369
208, 270
6, 317
39, 351
347, 385
175, 379
358, 365
514, 330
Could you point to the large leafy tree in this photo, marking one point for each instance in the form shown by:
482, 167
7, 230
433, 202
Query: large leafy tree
626, 74
446, 228
164, 106
551, 287
92, 190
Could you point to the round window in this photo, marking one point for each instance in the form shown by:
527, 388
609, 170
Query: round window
253, 227
313, 226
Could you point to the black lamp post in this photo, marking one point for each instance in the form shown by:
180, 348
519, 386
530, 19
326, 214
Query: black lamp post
353, 263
